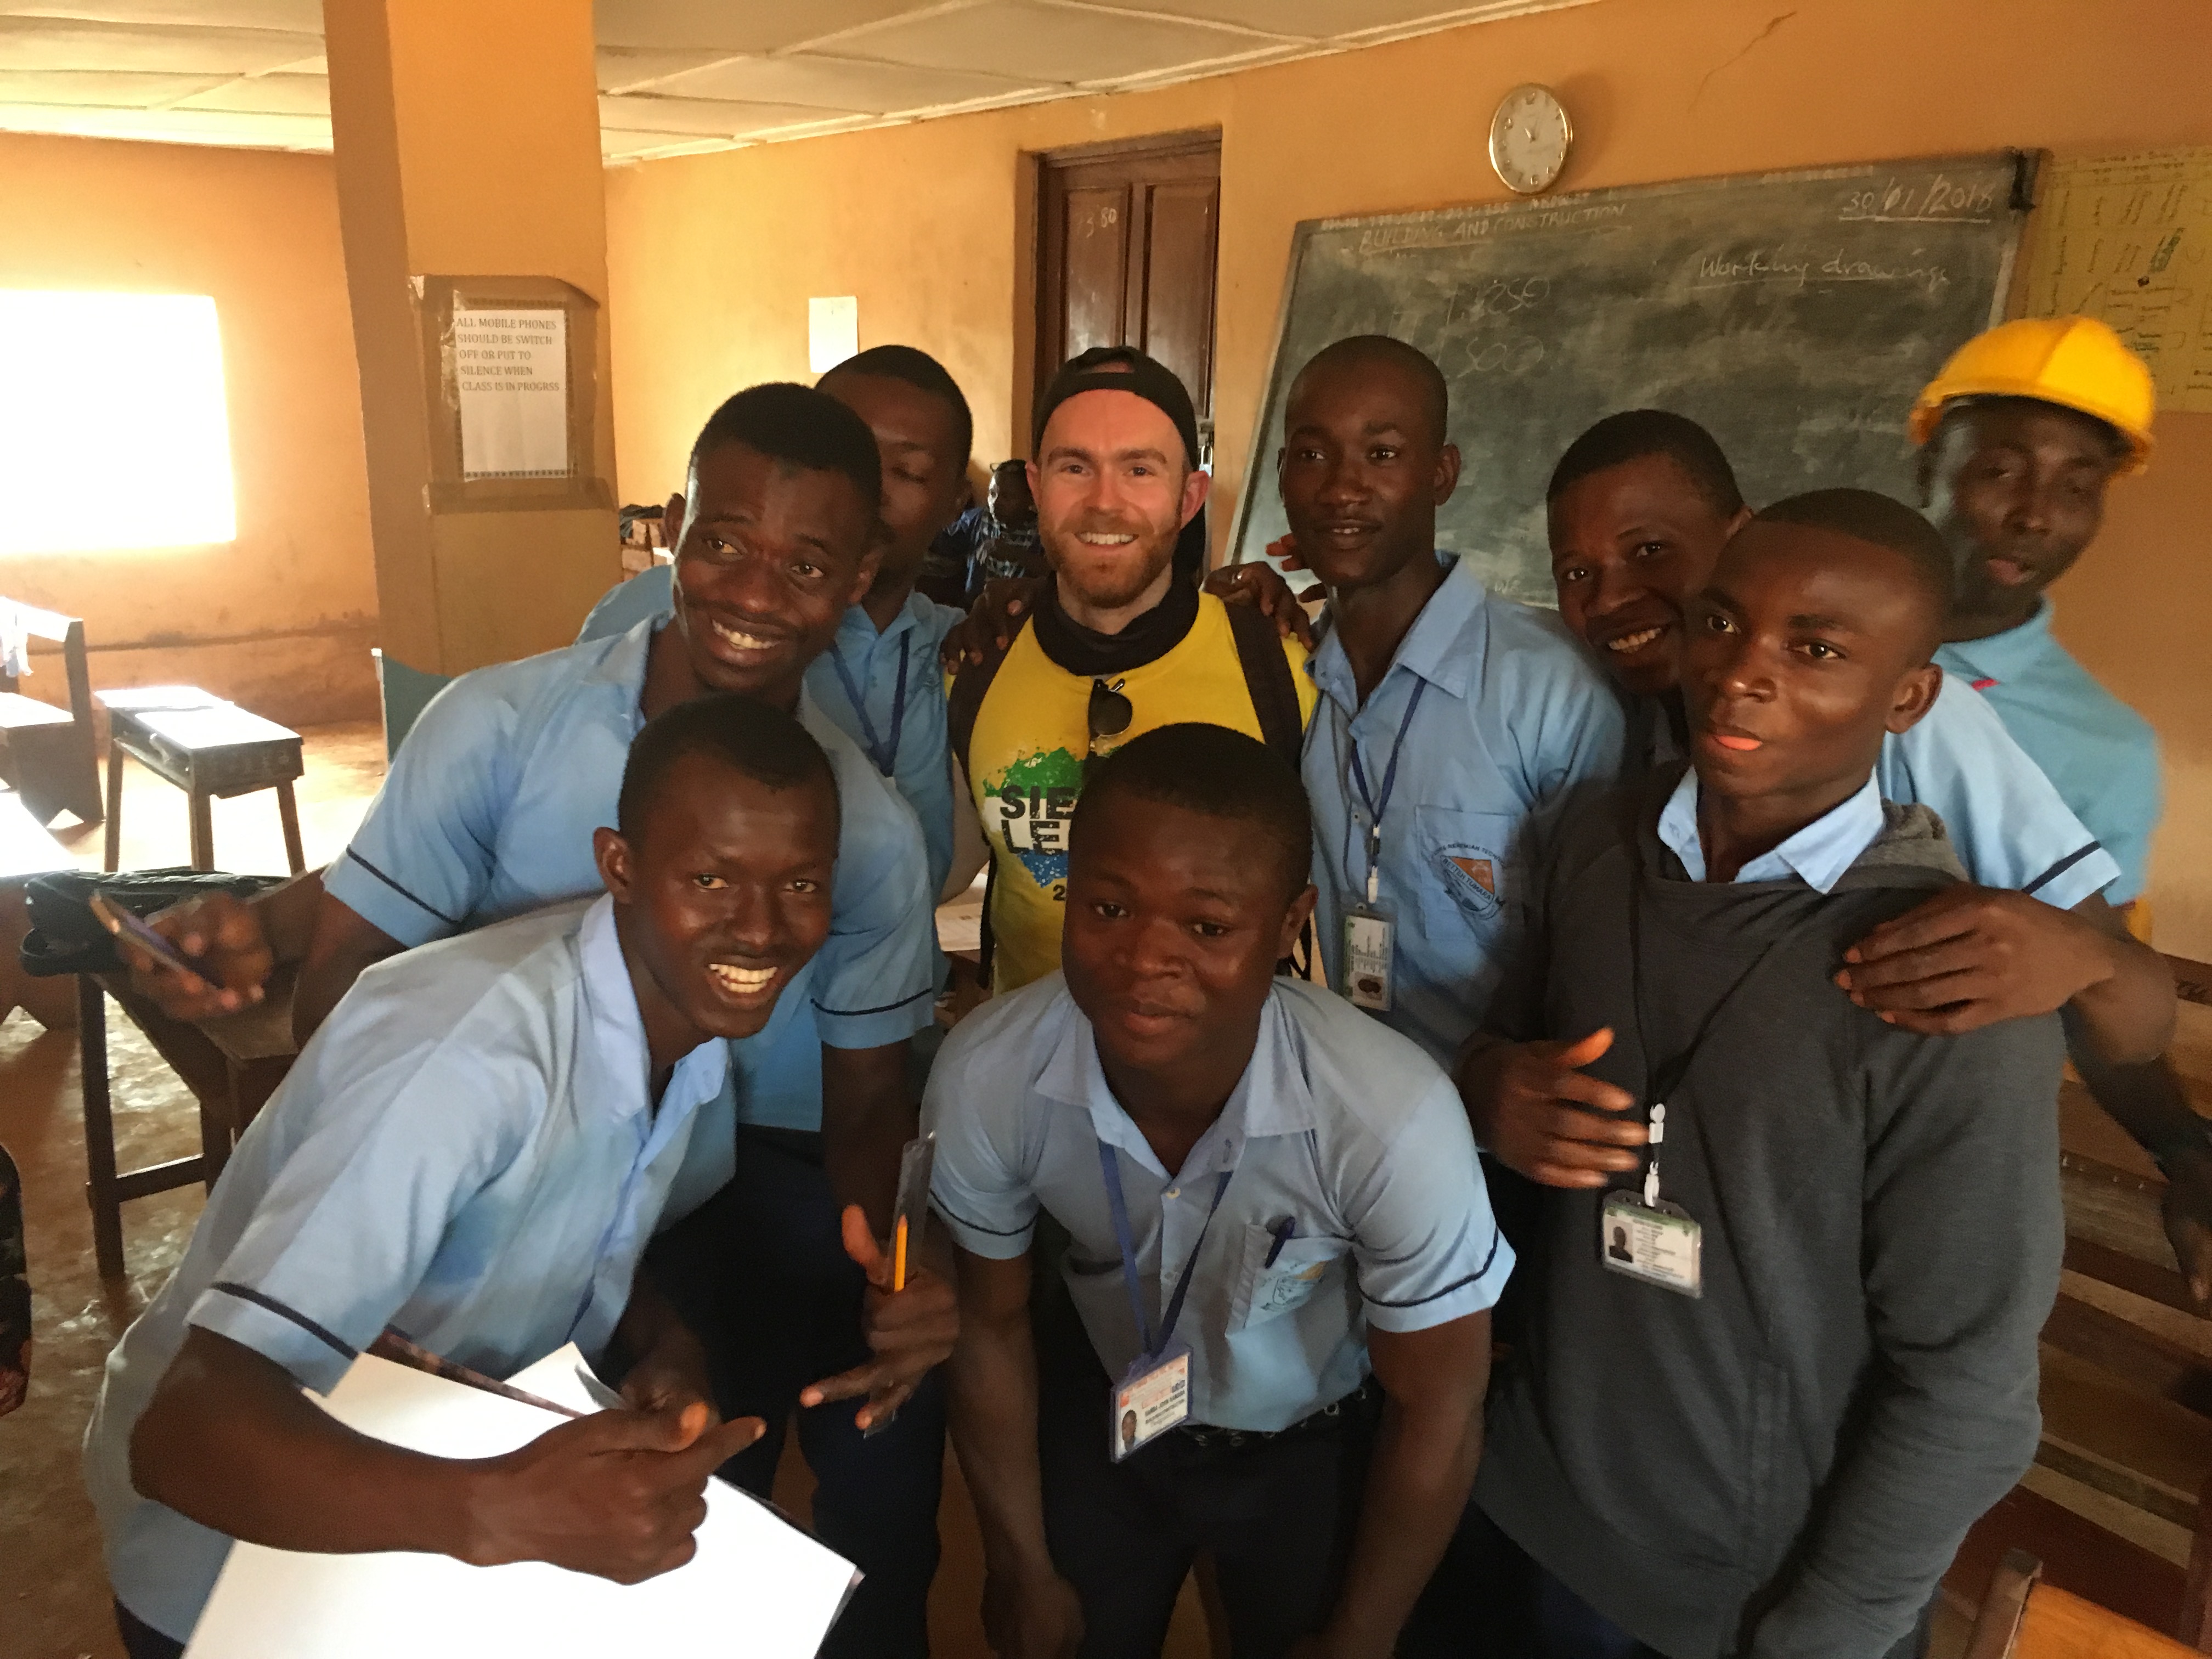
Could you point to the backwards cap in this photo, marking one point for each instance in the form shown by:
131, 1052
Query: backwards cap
1122, 369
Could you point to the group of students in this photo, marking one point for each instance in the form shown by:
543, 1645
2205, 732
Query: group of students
1711, 911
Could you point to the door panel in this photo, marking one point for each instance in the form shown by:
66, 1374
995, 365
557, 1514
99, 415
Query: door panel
1126, 248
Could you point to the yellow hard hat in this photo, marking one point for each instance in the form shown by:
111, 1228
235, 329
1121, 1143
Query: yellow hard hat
2076, 362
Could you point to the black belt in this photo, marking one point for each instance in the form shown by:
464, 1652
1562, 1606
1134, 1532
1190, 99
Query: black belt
1362, 1403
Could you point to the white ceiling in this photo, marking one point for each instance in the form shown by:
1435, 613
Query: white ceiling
676, 76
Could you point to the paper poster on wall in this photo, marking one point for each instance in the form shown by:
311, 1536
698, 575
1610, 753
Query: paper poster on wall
2128, 240
511, 375
833, 331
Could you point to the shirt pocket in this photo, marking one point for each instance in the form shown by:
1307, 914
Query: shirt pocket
1301, 1269
1463, 858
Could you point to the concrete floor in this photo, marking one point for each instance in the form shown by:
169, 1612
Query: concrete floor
53, 1588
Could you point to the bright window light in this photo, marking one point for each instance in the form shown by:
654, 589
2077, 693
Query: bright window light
113, 430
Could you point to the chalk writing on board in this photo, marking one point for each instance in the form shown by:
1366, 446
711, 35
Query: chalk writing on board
1940, 200
2129, 239
1794, 315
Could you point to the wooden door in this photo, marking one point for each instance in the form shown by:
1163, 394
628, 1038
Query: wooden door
1127, 238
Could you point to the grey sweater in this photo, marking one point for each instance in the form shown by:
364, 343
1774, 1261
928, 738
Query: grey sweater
1786, 1466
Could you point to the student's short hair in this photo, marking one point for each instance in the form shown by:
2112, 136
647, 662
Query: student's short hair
750, 737
1634, 433
1008, 469
1867, 515
1218, 773
801, 427
1358, 348
918, 370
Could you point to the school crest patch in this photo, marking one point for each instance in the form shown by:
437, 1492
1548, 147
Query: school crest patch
1471, 875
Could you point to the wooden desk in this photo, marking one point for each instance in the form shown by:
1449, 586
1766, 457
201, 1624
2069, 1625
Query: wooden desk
209, 748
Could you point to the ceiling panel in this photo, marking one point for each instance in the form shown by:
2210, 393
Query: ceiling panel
93, 89
1315, 20
301, 16
735, 25
675, 76
1026, 41
705, 118
621, 68
31, 43
171, 125
267, 95
844, 83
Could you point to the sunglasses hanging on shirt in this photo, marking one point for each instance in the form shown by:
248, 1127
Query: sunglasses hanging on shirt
1108, 716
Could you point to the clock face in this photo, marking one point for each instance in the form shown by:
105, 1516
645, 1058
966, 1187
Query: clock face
1529, 138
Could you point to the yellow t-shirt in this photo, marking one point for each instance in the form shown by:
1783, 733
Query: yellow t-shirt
1025, 766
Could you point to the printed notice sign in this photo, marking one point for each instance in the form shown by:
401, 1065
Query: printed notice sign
833, 331
511, 369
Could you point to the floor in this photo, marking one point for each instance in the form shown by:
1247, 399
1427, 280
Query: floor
53, 1591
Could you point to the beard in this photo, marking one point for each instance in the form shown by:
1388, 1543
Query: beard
1110, 577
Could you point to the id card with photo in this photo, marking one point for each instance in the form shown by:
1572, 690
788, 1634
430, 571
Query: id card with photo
1369, 934
1658, 1244
1152, 1398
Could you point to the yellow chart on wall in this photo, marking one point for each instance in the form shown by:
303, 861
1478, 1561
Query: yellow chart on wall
2129, 239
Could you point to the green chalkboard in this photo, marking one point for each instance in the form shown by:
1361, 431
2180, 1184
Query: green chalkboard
1794, 315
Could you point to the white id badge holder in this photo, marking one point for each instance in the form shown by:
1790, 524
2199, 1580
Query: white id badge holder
1369, 935
1647, 1237
1153, 1397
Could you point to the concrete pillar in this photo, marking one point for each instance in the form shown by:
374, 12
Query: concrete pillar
467, 147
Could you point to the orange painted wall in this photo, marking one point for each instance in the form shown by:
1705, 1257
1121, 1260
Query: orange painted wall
712, 258
280, 619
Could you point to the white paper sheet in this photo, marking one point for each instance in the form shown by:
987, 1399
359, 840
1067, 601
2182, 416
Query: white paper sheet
758, 1586
511, 375
833, 331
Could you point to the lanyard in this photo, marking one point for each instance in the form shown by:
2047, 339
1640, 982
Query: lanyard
886, 759
1662, 1081
1122, 1237
1376, 807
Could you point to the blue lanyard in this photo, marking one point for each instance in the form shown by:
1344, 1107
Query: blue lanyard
1122, 1237
1377, 808
886, 759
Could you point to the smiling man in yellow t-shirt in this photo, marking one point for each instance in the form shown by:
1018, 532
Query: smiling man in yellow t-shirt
1118, 644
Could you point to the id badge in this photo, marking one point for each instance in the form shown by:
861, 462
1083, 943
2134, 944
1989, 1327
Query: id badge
1369, 933
1658, 1244
1152, 1398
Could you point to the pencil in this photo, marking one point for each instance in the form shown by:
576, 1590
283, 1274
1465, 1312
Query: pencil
898, 1255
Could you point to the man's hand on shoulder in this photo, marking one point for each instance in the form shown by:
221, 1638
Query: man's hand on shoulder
988, 631
909, 1331
1970, 956
1257, 583
619, 1494
1534, 1111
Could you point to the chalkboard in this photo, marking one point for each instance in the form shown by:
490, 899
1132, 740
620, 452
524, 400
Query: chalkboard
1794, 315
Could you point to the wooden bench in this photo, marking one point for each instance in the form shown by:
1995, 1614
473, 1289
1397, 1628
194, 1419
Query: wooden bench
48, 753
209, 748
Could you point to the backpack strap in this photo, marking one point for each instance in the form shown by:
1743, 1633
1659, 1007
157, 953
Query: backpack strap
963, 701
1267, 678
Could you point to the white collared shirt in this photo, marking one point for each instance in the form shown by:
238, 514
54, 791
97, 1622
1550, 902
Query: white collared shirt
467, 1150
1339, 1127
1818, 855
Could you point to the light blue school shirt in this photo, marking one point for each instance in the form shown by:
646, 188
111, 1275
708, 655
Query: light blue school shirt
2100, 754
1337, 1125
1513, 713
901, 692
467, 1150
2007, 822
489, 808
1817, 854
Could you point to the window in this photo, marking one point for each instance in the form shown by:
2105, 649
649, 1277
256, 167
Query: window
113, 430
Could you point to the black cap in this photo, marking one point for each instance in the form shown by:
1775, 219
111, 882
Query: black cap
1122, 369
